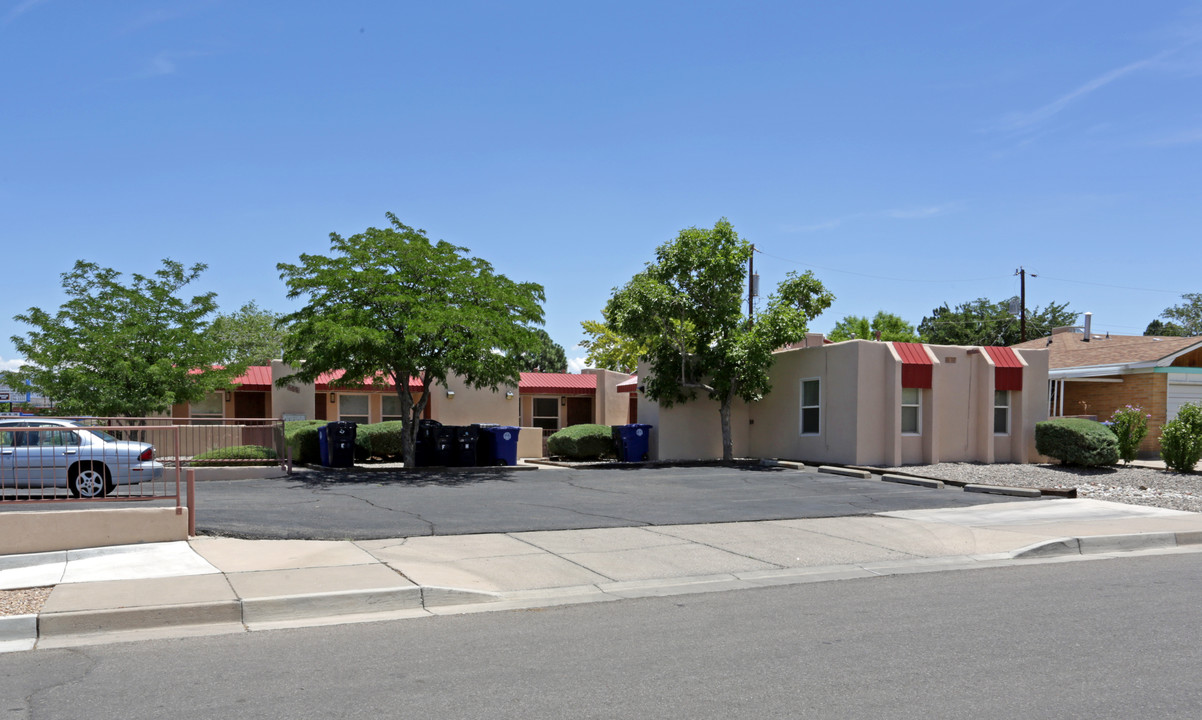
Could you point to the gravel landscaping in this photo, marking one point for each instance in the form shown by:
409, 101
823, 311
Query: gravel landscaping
23, 602
1127, 484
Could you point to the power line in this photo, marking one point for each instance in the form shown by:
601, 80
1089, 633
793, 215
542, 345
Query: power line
876, 277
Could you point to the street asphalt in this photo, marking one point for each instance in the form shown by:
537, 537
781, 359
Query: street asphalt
363, 504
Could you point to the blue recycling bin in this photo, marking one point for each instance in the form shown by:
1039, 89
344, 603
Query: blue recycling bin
632, 441
498, 445
323, 444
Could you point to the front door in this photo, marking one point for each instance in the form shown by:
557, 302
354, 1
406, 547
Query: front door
580, 410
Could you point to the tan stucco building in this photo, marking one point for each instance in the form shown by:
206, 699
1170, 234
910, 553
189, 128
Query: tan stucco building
861, 402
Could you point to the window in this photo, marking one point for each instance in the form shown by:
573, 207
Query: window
1001, 412
546, 413
390, 408
911, 411
810, 407
353, 408
209, 411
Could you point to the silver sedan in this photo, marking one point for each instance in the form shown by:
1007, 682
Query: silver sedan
42, 454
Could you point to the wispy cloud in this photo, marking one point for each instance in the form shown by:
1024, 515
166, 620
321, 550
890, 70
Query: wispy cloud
1024, 121
576, 364
21, 8
10, 363
919, 212
1185, 137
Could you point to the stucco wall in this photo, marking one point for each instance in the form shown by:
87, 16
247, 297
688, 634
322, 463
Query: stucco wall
473, 406
610, 407
297, 398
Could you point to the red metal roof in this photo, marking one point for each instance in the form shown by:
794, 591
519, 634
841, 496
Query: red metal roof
917, 366
376, 384
629, 385
557, 384
256, 377
1008, 368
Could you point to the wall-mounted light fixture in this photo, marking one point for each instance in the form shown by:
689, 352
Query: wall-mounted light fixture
508, 394
450, 394
642, 388
333, 398
563, 401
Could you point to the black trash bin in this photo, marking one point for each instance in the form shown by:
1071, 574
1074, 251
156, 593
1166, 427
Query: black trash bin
427, 443
340, 443
631, 441
498, 445
463, 453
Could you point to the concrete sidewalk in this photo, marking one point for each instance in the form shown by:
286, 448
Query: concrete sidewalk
215, 585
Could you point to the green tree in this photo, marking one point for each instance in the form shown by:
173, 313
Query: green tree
390, 303
609, 350
1159, 328
1187, 316
984, 322
251, 336
891, 327
122, 350
549, 357
686, 307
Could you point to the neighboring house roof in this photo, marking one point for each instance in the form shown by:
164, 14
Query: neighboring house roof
325, 383
557, 384
629, 385
256, 377
1110, 355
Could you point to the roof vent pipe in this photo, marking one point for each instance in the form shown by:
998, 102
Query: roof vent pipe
1088, 324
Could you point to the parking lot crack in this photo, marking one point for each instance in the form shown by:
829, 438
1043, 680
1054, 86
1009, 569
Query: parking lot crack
429, 524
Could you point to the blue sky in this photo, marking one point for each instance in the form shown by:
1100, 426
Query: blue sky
910, 154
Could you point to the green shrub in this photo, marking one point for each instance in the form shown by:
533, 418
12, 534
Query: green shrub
1077, 441
301, 436
1130, 427
582, 442
1181, 439
236, 455
380, 439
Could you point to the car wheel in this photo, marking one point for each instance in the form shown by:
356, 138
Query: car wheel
89, 481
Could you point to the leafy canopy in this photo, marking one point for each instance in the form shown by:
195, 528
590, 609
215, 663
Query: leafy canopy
548, 357
117, 349
391, 303
252, 336
686, 308
891, 327
1187, 316
609, 350
984, 322
1164, 329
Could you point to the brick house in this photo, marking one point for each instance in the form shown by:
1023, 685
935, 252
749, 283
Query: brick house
1093, 375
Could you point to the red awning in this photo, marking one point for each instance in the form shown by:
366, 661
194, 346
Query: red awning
533, 383
629, 385
1008, 368
917, 366
329, 382
256, 377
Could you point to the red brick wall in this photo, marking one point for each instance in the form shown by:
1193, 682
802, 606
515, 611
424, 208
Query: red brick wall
1146, 390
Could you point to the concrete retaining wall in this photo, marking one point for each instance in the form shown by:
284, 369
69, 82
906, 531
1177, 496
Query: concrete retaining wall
29, 532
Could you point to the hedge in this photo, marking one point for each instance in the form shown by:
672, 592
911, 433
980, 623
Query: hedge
380, 439
582, 442
1077, 441
235, 456
1181, 439
301, 436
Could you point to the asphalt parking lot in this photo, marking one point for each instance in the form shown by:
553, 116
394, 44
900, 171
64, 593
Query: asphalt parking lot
362, 503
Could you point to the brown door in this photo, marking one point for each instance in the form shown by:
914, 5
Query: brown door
580, 410
250, 405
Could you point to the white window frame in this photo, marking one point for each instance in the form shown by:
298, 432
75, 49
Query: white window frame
917, 406
200, 415
534, 416
1007, 407
801, 412
385, 416
354, 417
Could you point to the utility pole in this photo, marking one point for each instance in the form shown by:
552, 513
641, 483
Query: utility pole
1022, 301
751, 287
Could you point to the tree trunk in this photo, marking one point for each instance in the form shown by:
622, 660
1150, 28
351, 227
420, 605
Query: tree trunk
728, 444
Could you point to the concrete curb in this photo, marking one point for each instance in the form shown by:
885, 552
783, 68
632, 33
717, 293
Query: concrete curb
1102, 544
18, 632
1003, 490
847, 472
91, 622
920, 482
